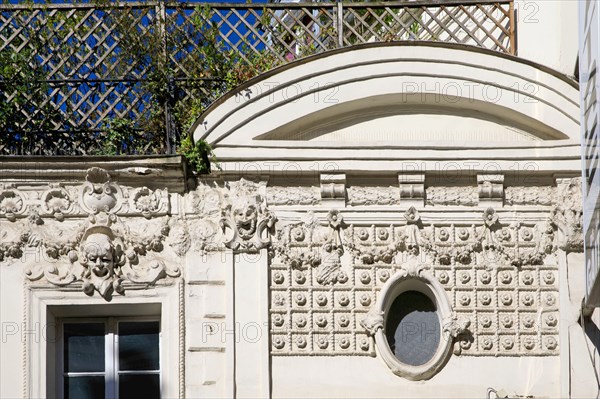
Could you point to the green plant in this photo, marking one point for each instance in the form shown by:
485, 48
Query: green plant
198, 155
121, 138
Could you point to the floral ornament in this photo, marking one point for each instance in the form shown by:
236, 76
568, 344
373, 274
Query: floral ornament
506, 299
343, 300
301, 322
365, 277
526, 234
300, 299
344, 343
529, 342
490, 218
507, 321
382, 234
146, 201
322, 343
365, 299
278, 320
56, 202
363, 234
444, 235
551, 343
336, 221
384, 276
301, 342
487, 343
344, 321
11, 204
412, 215
528, 321
485, 277
321, 299
298, 233
299, 277
527, 278
278, 342
508, 343
551, 320
321, 321
549, 278
504, 234
486, 299
463, 233
364, 344
278, 278
485, 321
443, 277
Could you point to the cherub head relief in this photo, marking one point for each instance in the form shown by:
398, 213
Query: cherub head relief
102, 256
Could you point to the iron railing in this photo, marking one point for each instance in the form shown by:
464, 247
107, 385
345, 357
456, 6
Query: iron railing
74, 77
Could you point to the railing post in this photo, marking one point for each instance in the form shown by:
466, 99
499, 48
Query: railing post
513, 28
340, 23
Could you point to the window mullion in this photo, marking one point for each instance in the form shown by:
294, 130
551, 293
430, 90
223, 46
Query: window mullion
110, 382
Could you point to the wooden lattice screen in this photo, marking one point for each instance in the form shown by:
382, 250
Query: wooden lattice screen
76, 76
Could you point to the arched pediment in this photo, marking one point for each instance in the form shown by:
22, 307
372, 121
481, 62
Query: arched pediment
396, 97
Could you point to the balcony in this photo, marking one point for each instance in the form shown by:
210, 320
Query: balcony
131, 77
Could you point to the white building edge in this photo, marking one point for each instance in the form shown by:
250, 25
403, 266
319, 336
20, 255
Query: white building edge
347, 180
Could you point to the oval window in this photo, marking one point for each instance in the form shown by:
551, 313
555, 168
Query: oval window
413, 328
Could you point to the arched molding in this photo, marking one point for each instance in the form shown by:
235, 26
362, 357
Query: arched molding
414, 278
372, 82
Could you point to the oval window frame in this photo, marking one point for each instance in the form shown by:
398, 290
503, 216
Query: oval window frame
426, 284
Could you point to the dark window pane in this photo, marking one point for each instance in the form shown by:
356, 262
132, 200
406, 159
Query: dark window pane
84, 347
145, 386
138, 345
84, 387
413, 328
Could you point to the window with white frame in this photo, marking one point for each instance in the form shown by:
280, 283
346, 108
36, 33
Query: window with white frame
114, 357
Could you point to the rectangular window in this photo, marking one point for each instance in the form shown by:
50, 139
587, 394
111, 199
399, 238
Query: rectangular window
110, 358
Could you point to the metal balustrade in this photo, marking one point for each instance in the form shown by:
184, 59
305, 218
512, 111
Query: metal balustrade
68, 70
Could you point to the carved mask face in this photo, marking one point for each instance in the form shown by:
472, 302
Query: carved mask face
99, 254
245, 220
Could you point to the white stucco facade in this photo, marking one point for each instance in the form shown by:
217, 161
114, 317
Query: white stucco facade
344, 180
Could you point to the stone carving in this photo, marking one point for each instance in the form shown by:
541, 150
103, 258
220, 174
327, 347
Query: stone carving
57, 202
333, 186
148, 202
332, 251
373, 322
568, 213
12, 203
440, 195
412, 187
101, 252
490, 187
527, 195
293, 195
246, 221
99, 193
486, 267
358, 195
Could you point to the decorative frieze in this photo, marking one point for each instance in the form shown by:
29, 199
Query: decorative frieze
367, 195
442, 195
281, 195
101, 252
501, 279
530, 195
